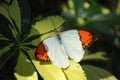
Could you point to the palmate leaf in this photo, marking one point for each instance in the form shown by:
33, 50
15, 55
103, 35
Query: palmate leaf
5, 11
10, 31
9, 35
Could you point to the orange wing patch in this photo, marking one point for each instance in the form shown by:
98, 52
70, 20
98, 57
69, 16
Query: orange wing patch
41, 53
85, 37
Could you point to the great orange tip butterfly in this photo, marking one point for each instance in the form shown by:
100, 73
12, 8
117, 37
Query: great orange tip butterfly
68, 44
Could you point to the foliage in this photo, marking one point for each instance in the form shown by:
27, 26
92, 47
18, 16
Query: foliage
21, 32
14, 30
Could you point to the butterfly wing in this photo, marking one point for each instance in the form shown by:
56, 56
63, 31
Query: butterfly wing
86, 38
71, 41
56, 52
41, 53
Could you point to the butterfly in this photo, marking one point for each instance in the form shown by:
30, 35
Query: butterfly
66, 45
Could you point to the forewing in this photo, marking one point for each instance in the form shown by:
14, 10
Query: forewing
41, 53
71, 41
56, 52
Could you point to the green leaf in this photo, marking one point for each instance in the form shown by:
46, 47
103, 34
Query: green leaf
15, 15
95, 56
110, 19
46, 27
25, 13
5, 28
96, 73
31, 38
6, 55
48, 24
25, 17
4, 11
24, 69
5, 48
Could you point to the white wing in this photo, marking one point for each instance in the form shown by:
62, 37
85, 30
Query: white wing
71, 41
56, 52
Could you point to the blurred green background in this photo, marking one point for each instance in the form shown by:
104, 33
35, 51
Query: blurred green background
100, 17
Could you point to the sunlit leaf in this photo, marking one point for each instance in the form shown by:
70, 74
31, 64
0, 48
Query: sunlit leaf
46, 27
48, 24
75, 71
24, 69
55, 73
51, 72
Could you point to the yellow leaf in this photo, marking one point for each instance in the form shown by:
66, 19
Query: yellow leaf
51, 72
75, 72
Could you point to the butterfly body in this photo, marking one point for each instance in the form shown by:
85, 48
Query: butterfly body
68, 44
